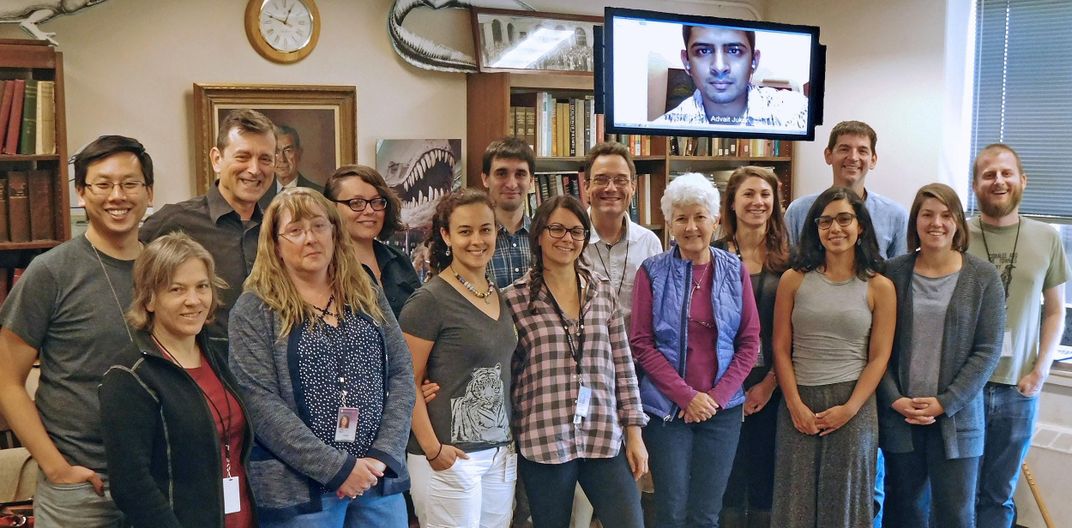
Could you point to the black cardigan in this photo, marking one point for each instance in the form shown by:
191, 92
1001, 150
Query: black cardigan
161, 441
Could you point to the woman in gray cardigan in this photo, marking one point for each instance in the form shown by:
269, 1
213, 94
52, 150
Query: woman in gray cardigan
950, 317
326, 376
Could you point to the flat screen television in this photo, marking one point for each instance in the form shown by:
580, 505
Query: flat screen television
685, 75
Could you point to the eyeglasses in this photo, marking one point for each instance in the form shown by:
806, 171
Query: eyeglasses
558, 231
105, 188
603, 181
842, 219
358, 204
297, 234
288, 150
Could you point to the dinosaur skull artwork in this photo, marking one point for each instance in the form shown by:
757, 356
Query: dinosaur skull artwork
421, 172
29, 13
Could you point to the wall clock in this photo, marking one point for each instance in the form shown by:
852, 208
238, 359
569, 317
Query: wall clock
283, 31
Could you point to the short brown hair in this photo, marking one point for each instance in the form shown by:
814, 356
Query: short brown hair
508, 148
392, 217
992, 148
246, 121
948, 197
852, 128
609, 148
155, 268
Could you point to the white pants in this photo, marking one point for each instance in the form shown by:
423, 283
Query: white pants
473, 493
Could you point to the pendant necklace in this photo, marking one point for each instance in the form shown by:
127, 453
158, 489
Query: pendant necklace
472, 289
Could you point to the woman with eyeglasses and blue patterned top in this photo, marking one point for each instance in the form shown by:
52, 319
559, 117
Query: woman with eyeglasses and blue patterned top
834, 321
371, 213
325, 373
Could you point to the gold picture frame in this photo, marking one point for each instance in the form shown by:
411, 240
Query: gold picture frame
318, 112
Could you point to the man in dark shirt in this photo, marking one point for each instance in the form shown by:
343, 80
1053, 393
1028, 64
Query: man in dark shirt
227, 220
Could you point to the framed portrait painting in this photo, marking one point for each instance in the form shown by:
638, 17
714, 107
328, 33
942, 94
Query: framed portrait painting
527, 41
323, 117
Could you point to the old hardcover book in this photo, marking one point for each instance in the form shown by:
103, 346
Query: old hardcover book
42, 221
5, 107
28, 134
18, 206
14, 121
46, 118
4, 235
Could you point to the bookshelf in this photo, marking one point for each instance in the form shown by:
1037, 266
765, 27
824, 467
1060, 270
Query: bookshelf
34, 197
493, 100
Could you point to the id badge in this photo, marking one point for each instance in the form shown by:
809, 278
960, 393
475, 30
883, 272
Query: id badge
1006, 345
346, 425
584, 401
232, 501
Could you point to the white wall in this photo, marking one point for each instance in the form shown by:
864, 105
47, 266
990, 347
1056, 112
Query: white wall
887, 65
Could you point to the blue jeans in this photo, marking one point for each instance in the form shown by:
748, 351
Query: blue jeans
1010, 421
370, 509
880, 487
690, 466
925, 472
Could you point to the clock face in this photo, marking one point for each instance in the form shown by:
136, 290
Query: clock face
286, 25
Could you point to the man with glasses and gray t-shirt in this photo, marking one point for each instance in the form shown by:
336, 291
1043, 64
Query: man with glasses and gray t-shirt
67, 312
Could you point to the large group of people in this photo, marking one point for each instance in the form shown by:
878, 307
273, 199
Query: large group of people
239, 362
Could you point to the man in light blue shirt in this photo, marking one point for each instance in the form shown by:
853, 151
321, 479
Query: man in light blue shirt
851, 155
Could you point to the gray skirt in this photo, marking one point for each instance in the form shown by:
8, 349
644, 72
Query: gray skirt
829, 481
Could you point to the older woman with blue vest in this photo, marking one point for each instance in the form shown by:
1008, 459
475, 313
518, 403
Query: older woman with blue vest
695, 337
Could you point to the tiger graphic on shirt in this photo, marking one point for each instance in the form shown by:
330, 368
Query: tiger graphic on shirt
480, 414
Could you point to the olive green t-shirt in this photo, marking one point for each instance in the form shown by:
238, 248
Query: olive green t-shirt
1038, 263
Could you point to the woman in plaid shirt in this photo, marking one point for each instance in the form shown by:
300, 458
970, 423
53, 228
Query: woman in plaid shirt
574, 388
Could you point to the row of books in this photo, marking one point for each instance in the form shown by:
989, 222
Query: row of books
555, 126
640, 209
550, 184
28, 117
638, 145
26, 206
728, 147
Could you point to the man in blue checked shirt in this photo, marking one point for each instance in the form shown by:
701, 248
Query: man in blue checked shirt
507, 170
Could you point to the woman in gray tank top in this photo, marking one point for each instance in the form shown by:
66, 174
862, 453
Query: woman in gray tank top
833, 328
931, 397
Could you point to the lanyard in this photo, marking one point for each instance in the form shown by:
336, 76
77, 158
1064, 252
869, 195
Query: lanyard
576, 348
1006, 274
225, 421
625, 265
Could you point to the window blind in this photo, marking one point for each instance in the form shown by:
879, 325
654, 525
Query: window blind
1023, 94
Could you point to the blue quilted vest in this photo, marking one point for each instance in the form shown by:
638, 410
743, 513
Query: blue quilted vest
671, 289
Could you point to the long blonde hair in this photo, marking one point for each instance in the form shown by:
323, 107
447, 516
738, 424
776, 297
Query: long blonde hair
270, 281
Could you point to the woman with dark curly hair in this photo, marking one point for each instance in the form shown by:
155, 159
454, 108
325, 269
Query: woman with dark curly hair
834, 320
460, 335
372, 212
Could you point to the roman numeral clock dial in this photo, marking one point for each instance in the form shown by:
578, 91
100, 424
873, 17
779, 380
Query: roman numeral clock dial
283, 31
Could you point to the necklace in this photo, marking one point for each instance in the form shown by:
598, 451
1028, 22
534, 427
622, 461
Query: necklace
696, 284
1006, 274
324, 312
625, 264
472, 289
115, 296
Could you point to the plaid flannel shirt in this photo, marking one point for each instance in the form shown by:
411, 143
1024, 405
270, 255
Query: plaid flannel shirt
545, 383
512, 255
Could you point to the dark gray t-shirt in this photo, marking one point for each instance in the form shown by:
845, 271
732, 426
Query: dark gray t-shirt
930, 301
63, 307
470, 361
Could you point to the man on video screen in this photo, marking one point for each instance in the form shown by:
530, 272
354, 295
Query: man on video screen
721, 62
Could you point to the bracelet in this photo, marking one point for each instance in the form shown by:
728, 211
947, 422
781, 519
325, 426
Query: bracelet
440, 452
